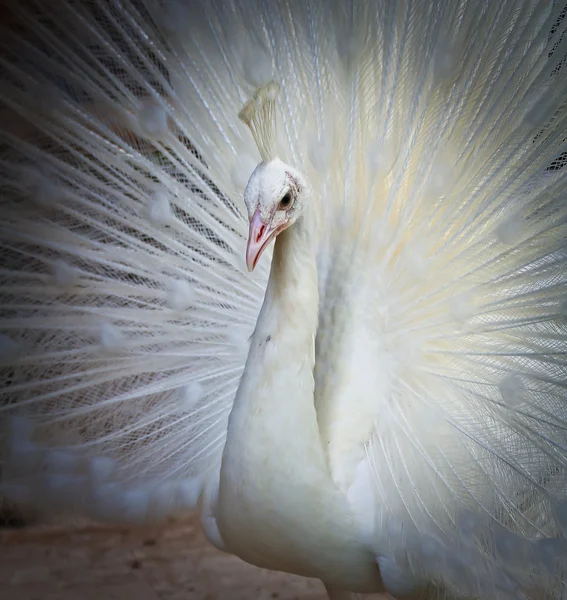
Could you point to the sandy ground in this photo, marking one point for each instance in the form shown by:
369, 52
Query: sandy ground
170, 562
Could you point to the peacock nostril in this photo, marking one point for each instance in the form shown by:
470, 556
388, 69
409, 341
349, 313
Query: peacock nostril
260, 233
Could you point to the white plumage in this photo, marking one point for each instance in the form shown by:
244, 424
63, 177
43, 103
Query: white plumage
384, 407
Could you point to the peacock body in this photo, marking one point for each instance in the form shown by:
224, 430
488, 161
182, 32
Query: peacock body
380, 401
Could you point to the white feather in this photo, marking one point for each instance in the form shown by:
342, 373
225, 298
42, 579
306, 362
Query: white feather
151, 120
110, 336
159, 209
179, 294
64, 274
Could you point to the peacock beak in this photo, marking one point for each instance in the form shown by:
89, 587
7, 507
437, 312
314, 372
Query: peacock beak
260, 235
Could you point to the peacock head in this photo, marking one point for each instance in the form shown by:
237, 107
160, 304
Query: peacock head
275, 191
273, 198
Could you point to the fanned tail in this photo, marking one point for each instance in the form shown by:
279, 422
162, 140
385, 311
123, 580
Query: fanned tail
126, 306
441, 351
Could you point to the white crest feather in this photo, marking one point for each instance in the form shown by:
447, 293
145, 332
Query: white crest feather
260, 116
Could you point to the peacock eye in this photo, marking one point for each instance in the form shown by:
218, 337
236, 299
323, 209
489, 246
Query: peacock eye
285, 202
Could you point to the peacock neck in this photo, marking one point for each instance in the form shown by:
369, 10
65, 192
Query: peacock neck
292, 297
277, 505
283, 340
